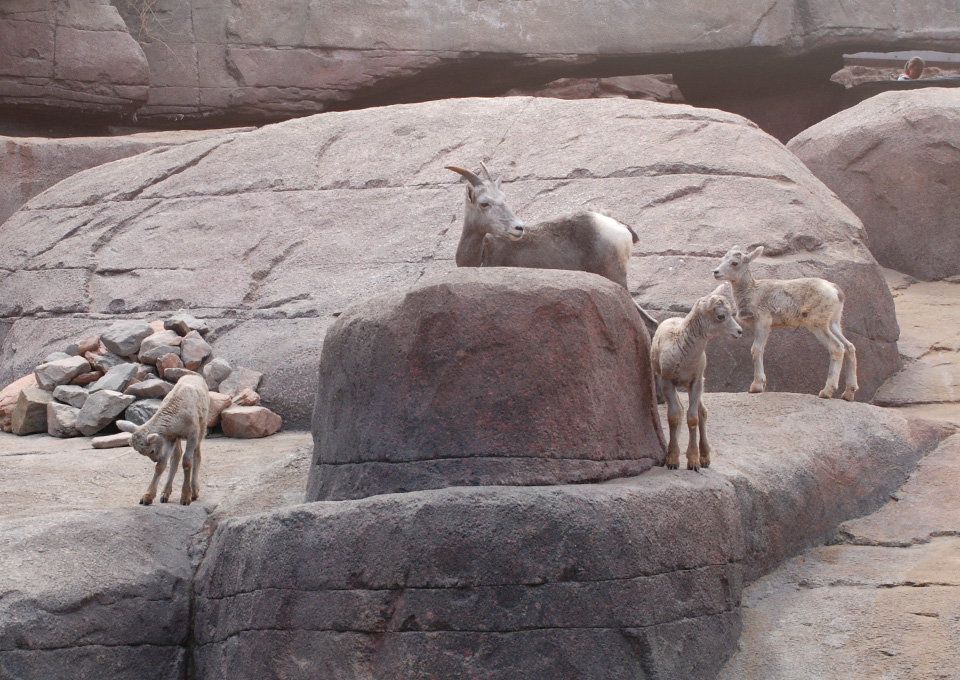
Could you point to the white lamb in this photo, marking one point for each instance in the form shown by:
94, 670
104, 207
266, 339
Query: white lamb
182, 415
678, 354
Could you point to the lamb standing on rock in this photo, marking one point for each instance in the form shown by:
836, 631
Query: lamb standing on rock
679, 358
813, 303
586, 241
182, 415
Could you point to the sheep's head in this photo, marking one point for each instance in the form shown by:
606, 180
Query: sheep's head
149, 445
487, 208
718, 316
735, 263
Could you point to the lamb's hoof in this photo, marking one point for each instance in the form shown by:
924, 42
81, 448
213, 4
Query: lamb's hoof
163, 499
824, 394
695, 468
849, 394
146, 501
671, 466
705, 465
756, 389
185, 501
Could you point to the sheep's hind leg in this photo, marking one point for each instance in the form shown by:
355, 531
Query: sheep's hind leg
189, 455
174, 458
674, 409
835, 347
849, 363
196, 475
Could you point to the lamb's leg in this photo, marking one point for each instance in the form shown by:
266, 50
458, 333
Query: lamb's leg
835, 347
705, 448
196, 473
849, 362
175, 455
761, 333
674, 409
189, 454
161, 465
693, 424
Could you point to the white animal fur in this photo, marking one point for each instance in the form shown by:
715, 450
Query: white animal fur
493, 236
812, 303
679, 358
182, 415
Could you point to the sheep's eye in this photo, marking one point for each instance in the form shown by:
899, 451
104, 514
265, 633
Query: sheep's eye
721, 317
485, 204
734, 264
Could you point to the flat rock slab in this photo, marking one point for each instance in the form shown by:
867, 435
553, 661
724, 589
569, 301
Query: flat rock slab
531, 582
883, 604
344, 226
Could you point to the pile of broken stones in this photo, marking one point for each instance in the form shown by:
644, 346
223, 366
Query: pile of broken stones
124, 373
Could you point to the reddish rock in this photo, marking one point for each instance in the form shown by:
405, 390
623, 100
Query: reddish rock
218, 402
249, 422
485, 376
30, 414
111, 441
9, 396
193, 350
247, 398
89, 344
87, 378
157, 325
168, 361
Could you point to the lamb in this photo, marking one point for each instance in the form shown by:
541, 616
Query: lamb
678, 354
493, 236
812, 303
182, 415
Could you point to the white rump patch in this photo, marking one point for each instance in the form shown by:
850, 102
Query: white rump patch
614, 232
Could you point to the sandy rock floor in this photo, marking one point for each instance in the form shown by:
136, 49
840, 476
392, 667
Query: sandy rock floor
884, 602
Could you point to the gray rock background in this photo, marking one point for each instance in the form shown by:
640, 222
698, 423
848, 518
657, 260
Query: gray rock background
269, 234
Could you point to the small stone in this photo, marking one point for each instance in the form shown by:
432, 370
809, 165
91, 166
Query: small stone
157, 325
111, 441
174, 374
249, 422
71, 350
216, 372
124, 337
116, 379
56, 356
193, 350
247, 398
218, 402
30, 414
90, 344
60, 371
167, 362
9, 396
74, 395
152, 388
100, 410
141, 411
154, 354
62, 420
144, 372
184, 323
239, 380
87, 378
104, 362
157, 340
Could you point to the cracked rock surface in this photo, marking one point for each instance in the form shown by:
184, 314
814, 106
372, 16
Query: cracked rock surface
269, 234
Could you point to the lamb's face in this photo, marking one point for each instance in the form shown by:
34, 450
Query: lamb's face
730, 266
147, 445
719, 317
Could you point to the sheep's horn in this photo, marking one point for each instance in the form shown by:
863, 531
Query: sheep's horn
486, 173
472, 178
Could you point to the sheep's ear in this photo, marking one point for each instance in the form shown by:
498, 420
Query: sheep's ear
126, 426
471, 194
151, 439
755, 254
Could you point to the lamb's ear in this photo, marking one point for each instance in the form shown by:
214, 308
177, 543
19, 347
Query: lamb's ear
750, 257
152, 438
126, 426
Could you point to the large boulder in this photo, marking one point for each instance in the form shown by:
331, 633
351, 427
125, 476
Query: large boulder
302, 219
895, 160
479, 377
32, 165
72, 55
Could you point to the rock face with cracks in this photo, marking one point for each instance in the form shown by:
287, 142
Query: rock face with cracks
270, 234
485, 376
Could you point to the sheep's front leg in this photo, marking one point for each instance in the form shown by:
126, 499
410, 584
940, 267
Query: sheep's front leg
674, 409
172, 451
693, 424
705, 448
161, 465
189, 455
761, 333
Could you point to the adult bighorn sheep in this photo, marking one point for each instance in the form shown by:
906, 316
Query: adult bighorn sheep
182, 415
812, 303
679, 358
585, 241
